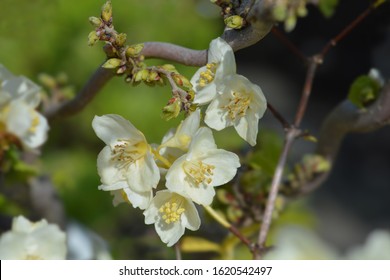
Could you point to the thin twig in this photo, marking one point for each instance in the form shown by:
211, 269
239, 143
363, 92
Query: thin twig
293, 132
178, 251
286, 125
267, 218
290, 45
310, 74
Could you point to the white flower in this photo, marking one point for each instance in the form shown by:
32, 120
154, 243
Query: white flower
195, 174
122, 193
33, 241
220, 62
18, 99
298, 243
171, 214
127, 155
176, 141
239, 103
376, 247
181, 138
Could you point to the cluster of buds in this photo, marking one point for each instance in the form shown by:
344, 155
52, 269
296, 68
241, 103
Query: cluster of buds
288, 11
127, 60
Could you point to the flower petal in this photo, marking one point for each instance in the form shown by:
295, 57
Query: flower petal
202, 142
107, 170
111, 128
226, 164
143, 175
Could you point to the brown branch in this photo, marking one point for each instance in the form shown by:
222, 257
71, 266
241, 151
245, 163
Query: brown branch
84, 96
347, 118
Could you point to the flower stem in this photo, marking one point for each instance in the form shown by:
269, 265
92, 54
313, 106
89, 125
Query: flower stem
217, 217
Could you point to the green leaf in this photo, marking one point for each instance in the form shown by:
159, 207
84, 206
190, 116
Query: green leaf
197, 244
328, 7
363, 91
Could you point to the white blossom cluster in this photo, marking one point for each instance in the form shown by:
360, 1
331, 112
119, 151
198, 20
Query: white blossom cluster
19, 98
187, 161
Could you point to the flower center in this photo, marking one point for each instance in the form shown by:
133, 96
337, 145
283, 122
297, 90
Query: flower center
207, 76
171, 211
126, 153
198, 171
238, 105
34, 122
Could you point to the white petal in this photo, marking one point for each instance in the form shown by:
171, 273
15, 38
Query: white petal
19, 118
202, 194
190, 218
247, 128
217, 117
39, 135
138, 199
226, 164
114, 186
202, 142
221, 52
176, 178
171, 233
143, 175
107, 169
111, 128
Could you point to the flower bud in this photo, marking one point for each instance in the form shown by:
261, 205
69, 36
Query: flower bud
47, 80
153, 76
234, 22
182, 81
169, 67
120, 39
95, 21
134, 50
172, 110
112, 63
92, 38
107, 11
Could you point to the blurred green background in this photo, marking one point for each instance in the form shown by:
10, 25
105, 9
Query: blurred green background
50, 36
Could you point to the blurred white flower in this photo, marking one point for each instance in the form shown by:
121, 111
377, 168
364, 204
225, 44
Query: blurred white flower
377, 247
239, 103
220, 62
19, 98
195, 174
171, 214
127, 156
33, 241
297, 243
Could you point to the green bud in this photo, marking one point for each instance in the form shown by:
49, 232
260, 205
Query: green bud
112, 63
172, 110
153, 76
289, 23
92, 38
302, 11
120, 39
141, 75
107, 11
169, 67
235, 22
182, 81
47, 80
134, 50
95, 21
280, 12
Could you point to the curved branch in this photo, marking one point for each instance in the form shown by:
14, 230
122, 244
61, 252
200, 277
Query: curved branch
259, 26
344, 119
84, 96
175, 53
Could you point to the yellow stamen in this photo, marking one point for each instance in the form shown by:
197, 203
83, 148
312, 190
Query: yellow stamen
127, 153
238, 105
199, 172
171, 211
207, 76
